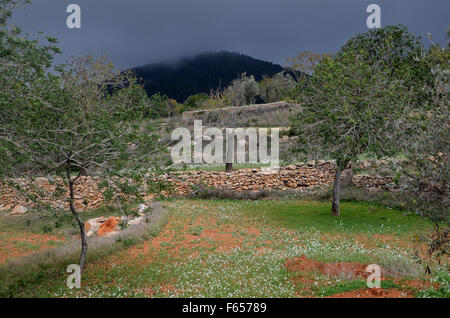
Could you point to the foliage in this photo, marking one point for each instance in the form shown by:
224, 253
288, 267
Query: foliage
304, 63
357, 101
350, 108
442, 278
126, 241
439, 244
26, 87
195, 101
427, 167
276, 88
395, 50
159, 106
99, 129
201, 74
86, 118
243, 90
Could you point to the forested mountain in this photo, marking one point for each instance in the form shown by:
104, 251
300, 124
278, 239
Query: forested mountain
201, 73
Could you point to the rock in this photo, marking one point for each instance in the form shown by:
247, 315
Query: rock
41, 181
94, 224
59, 206
110, 225
19, 209
304, 175
267, 171
136, 221
142, 208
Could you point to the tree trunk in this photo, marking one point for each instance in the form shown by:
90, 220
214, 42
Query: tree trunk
335, 208
84, 245
229, 167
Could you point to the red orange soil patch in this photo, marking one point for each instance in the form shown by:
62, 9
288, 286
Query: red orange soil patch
20, 244
373, 240
184, 237
303, 267
373, 293
178, 241
346, 269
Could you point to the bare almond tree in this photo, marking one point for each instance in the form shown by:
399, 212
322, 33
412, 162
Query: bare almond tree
89, 120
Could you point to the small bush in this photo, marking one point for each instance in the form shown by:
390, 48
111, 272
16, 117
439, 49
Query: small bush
126, 241
442, 278
243, 90
47, 229
196, 230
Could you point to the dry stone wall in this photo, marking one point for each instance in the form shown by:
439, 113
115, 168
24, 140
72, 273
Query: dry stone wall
259, 110
89, 195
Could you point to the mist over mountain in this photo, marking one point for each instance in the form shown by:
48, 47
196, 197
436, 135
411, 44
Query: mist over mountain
201, 73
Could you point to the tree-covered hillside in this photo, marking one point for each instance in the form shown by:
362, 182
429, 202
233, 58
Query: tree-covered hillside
201, 74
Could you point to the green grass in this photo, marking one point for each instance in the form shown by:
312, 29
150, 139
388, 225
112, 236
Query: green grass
355, 217
255, 268
196, 230
442, 278
25, 246
352, 285
324, 291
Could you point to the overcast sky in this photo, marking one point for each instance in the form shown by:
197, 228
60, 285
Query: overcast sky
137, 32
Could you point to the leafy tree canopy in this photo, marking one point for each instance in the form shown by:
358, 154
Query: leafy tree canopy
357, 101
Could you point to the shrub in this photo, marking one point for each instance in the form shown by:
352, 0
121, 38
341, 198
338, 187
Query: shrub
195, 101
47, 229
243, 91
126, 241
442, 278
159, 106
276, 88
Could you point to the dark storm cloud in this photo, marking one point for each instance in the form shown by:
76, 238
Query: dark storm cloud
136, 32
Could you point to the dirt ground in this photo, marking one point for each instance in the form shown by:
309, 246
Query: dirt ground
18, 244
